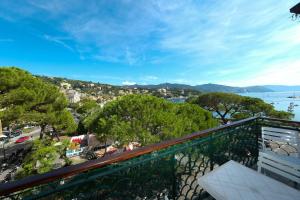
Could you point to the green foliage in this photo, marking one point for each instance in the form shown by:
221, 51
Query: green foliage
25, 98
223, 104
147, 119
281, 114
65, 122
86, 106
229, 106
44, 154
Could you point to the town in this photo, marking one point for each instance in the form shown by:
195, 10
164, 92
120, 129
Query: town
149, 100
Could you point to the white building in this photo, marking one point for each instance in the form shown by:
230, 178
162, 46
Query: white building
65, 85
162, 91
121, 92
73, 96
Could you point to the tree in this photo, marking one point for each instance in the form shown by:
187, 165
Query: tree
147, 119
45, 154
281, 114
223, 105
229, 106
85, 106
25, 98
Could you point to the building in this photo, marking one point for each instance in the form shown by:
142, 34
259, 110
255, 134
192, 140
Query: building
73, 96
121, 92
163, 91
65, 85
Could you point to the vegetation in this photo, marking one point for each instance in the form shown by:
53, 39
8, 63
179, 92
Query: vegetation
229, 106
45, 155
147, 119
104, 92
142, 118
25, 99
85, 106
205, 88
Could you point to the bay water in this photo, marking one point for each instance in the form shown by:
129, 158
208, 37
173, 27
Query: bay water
280, 100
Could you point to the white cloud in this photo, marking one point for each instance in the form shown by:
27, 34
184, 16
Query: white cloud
282, 72
226, 41
129, 56
58, 40
128, 83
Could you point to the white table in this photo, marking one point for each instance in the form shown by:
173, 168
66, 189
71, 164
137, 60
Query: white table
233, 181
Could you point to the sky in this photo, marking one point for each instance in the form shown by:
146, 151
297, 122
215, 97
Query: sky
231, 42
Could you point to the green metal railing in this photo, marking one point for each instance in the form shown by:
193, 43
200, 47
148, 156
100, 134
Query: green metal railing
169, 169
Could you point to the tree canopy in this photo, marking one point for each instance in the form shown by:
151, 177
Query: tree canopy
25, 98
45, 154
228, 106
147, 119
85, 106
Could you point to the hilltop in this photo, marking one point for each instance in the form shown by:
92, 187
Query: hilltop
206, 88
91, 87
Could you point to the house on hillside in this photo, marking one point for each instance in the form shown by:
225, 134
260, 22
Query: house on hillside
73, 96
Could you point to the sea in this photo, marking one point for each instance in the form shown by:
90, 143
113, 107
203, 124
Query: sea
280, 100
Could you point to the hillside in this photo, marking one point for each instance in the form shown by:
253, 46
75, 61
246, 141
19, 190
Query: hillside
84, 85
206, 88
283, 88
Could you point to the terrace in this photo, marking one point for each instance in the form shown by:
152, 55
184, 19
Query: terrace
168, 170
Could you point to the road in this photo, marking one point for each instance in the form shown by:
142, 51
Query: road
11, 147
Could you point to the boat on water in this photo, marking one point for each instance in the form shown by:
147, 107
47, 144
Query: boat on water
293, 96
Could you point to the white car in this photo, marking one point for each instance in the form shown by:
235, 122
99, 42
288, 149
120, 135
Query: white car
3, 139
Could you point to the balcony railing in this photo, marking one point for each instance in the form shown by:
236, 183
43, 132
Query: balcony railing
168, 169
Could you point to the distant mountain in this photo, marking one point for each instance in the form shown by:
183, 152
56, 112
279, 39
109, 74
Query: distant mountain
202, 88
283, 88
163, 85
206, 88
224, 88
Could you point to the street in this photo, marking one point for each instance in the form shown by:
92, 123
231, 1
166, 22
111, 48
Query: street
14, 154
11, 147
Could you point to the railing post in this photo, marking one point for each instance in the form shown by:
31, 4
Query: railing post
210, 152
174, 184
258, 135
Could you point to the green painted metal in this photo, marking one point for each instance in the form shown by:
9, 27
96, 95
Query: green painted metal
171, 172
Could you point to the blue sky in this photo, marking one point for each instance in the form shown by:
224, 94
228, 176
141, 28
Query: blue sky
233, 42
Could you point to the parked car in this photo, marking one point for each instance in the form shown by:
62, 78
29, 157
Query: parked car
28, 126
13, 133
6, 133
4, 139
22, 139
16, 133
88, 154
94, 152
